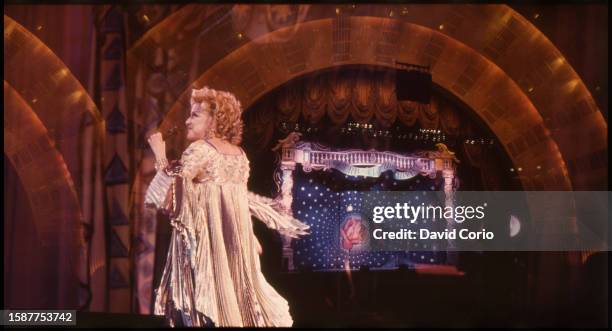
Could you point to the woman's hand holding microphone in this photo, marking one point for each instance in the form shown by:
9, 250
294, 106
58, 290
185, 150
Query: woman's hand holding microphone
158, 145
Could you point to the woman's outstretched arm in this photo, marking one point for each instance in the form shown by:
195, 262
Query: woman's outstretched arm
271, 213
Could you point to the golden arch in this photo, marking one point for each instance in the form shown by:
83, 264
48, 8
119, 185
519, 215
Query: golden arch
40, 167
43, 80
50, 100
50, 97
224, 75
462, 51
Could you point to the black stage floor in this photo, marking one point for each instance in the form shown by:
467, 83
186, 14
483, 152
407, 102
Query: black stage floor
401, 299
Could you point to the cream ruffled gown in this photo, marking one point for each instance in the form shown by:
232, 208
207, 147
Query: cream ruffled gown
212, 263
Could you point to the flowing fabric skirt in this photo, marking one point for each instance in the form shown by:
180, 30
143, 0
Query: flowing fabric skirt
212, 271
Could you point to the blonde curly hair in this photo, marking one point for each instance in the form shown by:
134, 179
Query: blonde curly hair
226, 110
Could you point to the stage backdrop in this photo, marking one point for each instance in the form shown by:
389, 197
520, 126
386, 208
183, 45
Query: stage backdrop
332, 203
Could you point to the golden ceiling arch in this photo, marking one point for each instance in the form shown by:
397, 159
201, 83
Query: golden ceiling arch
43, 80
41, 170
56, 103
46, 113
42, 95
533, 92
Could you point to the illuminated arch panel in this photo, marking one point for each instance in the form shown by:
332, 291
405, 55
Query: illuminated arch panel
270, 66
41, 169
496, 32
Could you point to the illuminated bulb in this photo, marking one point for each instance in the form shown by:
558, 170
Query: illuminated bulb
39, 27
571, 85
558, 62
441, 27
145, 18
536, 16
239, 35
391, 13
511, 169
75, 96
337, 11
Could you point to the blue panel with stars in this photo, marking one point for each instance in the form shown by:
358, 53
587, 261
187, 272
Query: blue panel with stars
334, 205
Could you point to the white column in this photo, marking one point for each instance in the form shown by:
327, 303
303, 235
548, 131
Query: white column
449, 195
286, 201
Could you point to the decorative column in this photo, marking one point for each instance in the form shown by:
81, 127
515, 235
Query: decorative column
111, 93
444, 162
286, 198
285, 185
449, 195
448, 173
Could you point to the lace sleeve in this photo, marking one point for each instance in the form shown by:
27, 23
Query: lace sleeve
271, 213
194, 159
192, 162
